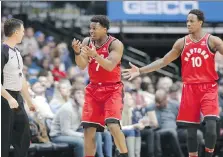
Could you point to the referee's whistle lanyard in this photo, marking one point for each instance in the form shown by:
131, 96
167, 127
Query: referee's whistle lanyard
20, 74
18, 60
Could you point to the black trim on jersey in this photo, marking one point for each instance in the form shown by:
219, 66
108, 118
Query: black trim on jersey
4, 59
213, 51
183, 46
111, 44
89, 41
102, 44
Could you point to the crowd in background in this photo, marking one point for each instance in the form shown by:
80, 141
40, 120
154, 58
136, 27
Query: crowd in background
57, 89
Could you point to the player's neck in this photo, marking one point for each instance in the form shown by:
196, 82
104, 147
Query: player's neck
101, 41
11, 42
197, 36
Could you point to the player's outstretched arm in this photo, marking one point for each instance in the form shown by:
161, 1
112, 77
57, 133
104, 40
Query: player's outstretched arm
81, 59
173, 54
115, 55
216, 44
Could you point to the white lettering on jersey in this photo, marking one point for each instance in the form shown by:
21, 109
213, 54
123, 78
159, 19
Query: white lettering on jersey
196, 60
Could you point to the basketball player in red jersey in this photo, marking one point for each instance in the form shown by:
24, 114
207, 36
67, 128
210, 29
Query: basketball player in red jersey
102, 54
197, 51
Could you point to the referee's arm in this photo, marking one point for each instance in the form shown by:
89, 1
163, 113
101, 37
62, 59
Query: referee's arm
26, 94
5, 94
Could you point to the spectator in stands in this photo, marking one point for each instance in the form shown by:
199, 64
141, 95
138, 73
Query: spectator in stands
50, 41
61, 95
140, 114
174, 93
29, 42
129, 87
38, 129
64, 55
40, 37
45, 64
137, 95
79, 79
57, 72
130, 130
148, 81
167, 124
148, 97
164, 83
40, 101
137, 83
73, 71
33, 68
44, 52
71, 74
64, 127
166, 112
46, 79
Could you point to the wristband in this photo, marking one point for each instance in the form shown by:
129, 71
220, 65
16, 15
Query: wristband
77, 54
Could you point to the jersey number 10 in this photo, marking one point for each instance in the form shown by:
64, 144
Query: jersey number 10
196, 61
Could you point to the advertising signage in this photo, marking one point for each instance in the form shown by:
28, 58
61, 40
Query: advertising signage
169, 11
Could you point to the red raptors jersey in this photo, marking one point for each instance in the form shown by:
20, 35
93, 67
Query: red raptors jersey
198, 63
97, 73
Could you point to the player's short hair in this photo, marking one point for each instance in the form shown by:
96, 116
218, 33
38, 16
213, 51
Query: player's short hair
102, 19
11, 25
199, 13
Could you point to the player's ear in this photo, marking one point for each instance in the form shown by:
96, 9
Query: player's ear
105, 29
201, 23
16, 32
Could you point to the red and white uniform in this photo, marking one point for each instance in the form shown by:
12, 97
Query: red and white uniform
200, 90
104, 94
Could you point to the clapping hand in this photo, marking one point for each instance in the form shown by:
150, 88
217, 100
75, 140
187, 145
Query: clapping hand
91, 52
76, 45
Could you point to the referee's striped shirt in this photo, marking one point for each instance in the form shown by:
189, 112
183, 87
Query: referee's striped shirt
11, 68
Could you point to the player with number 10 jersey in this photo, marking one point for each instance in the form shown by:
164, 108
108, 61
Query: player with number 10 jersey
198, 62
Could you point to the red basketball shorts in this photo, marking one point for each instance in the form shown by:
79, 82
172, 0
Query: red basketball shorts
103, 104
198, 101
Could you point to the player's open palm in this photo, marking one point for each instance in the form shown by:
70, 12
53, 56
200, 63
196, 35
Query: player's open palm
131, 73
13, 103
76, 45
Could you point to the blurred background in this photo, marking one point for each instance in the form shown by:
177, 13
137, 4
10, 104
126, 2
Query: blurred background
148, 30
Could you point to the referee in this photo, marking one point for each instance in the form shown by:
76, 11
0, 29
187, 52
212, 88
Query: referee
14, 123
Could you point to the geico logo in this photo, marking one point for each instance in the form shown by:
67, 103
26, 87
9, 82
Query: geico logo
159, 7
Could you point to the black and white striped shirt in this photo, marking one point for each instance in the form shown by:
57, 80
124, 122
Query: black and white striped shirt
11, 68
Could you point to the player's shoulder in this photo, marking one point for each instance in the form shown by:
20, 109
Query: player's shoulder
179, 44
116, 43
181, 40
213, 38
